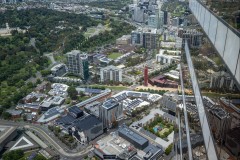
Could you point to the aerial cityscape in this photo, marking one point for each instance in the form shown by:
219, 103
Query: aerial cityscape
120, 79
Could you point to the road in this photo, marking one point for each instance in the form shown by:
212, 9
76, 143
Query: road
47, 138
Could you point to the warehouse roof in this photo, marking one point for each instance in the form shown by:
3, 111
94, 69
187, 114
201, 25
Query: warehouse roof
86, 123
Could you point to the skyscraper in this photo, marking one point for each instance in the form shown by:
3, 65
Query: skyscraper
77, 63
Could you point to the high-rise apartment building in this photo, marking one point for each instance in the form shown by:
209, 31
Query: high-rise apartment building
165, 17
193, 37
111, 73
77, 63
150, 38
110, 112
136, 37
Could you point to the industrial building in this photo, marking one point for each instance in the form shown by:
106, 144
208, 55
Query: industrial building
111, 73
77, 63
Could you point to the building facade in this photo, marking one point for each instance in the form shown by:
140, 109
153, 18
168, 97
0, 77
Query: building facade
193, 37
59, 70
110, 112
111, 73
150, 39
77, 63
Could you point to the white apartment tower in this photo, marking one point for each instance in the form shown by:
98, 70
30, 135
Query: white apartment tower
111, 73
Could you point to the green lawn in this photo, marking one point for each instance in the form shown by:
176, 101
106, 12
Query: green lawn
114, 55
117, 88
216, 95
89, 31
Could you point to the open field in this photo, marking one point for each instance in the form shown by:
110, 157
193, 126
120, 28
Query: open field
117, 88
114, 55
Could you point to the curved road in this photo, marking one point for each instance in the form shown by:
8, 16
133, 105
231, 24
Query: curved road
48, 139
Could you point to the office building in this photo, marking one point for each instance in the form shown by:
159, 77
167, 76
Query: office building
156, 20
111, 73
77, 63
153, 21
165, 17
150, 38
110, 112
136, 37
139, 15
175, 21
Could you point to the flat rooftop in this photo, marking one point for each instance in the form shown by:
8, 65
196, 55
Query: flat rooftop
6, 131
132, 135
110, 103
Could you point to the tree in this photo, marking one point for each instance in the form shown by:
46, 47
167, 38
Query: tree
72, 92
169, 149
6, 115
39, 157
13, 155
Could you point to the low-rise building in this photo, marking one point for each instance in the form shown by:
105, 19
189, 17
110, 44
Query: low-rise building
162, 81
58, 89
51, 115
59, 70
14, 113
124, 40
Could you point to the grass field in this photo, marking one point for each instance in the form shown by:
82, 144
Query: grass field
114, 55
89, 31
116, 88
217, 95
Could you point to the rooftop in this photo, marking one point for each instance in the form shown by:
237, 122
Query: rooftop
6, 131
132, 135
86, 123
110, 103
75, 110
73, 52
14, 112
